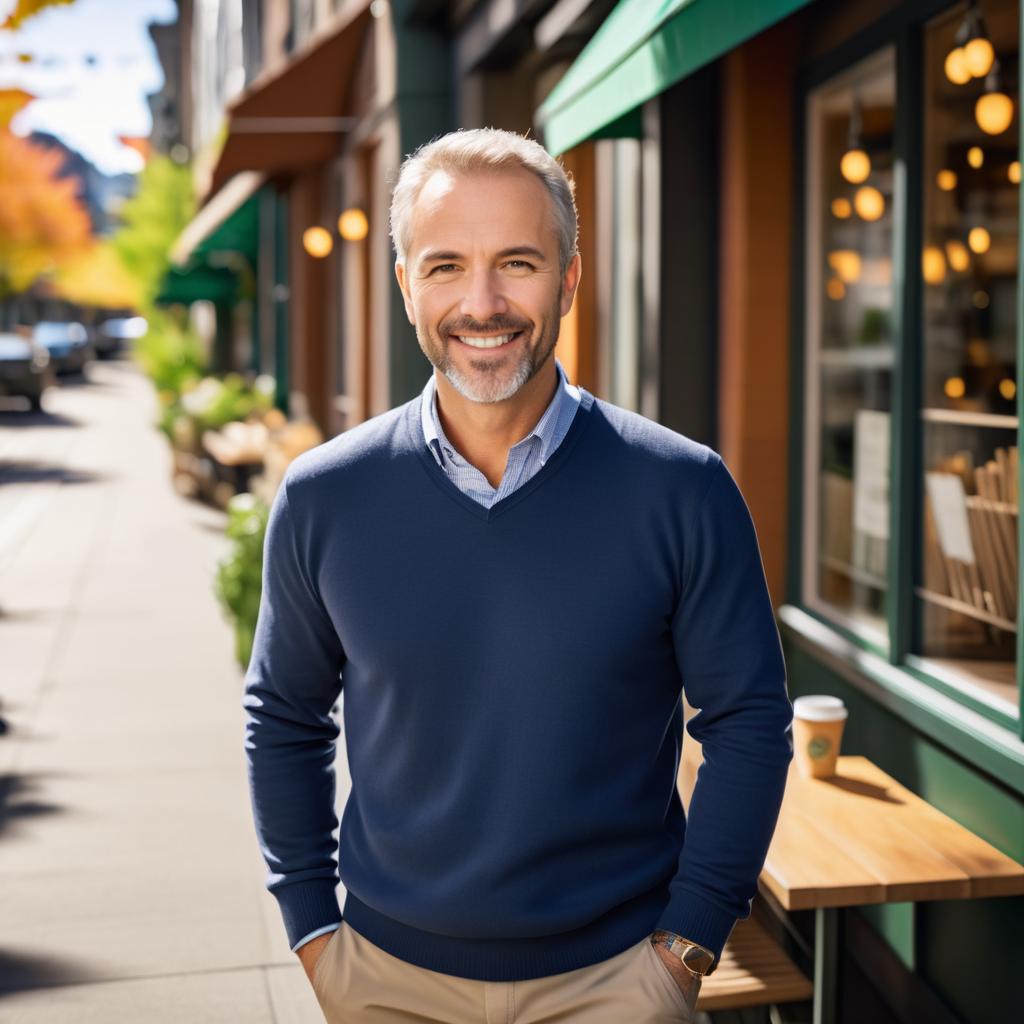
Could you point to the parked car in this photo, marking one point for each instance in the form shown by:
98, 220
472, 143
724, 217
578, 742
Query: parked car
68, 344
117, 333
25, 368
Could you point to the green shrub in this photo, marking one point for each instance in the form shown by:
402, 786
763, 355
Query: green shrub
170, 355
239, 579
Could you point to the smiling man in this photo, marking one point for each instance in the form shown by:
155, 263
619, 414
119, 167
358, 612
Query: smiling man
511, 582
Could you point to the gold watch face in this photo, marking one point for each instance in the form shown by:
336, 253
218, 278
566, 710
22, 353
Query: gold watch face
698, 959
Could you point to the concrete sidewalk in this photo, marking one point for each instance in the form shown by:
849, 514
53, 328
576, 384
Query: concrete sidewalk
131, 883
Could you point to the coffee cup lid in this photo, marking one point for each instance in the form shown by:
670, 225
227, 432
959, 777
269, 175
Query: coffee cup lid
820, 708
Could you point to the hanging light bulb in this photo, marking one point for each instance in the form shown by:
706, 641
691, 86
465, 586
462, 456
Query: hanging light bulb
957, 255
956, 67
955, 64
946, 179
978, 51
979, 55
855, 165
933, 265
841, 208
869, 203
835, 289
975, 156
846, 264
954, 387
1013, 172
353, 225
317, 242
979, 240
994, 109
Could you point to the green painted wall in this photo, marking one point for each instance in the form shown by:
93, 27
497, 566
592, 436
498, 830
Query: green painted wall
425, 108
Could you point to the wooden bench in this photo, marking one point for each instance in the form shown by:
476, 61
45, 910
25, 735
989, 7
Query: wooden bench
754, 971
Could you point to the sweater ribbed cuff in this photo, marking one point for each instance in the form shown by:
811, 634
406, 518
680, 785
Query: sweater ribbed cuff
698, 920
307, 905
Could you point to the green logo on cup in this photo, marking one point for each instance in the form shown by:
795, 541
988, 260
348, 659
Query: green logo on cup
819, 747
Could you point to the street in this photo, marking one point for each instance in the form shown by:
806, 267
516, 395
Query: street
131, 882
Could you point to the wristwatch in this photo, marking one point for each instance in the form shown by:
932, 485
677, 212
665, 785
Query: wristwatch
697, 959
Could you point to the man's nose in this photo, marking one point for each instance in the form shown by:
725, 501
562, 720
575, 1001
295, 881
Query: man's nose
483, 298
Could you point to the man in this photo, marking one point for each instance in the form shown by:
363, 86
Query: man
513, 581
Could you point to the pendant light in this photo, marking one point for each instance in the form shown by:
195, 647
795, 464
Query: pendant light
972, 55
979, 53
994, 109
855, 165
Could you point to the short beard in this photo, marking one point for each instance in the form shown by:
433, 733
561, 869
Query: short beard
495, 387
492, 389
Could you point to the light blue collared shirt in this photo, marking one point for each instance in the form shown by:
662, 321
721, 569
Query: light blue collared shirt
525, 458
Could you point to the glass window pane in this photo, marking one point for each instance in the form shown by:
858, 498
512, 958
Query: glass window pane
967, 597
849, 344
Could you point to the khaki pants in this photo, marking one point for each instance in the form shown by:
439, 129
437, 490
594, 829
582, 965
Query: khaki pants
357, 982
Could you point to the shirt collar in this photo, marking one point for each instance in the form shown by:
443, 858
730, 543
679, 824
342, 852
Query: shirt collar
566, 395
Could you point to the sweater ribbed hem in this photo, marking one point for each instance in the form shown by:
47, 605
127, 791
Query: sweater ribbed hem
694, 918
307, 905
510, 959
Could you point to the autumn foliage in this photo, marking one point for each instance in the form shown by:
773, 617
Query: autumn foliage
43, 223
27, 8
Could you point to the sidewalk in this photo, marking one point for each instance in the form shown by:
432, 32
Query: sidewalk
131, 883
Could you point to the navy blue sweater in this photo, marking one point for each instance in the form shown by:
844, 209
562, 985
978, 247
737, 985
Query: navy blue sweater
511, 703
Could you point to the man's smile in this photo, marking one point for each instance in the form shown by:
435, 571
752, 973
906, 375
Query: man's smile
487, 341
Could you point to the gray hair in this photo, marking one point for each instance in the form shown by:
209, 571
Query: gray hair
470, 150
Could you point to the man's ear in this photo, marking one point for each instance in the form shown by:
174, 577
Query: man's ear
570, 282
400, 274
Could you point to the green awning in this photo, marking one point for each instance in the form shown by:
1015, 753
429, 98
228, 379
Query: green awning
216, 250
200, 282
227, 222
643, 47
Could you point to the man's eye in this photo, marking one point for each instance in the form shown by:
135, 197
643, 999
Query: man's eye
522, 263
442, 266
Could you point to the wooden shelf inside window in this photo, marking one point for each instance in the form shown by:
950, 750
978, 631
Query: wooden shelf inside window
853, 573
965, 609
860, 357
969, 419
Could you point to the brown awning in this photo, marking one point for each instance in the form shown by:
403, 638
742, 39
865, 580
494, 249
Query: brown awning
293, 116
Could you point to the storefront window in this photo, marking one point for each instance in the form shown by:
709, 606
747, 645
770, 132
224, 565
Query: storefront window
967, 596
849, 344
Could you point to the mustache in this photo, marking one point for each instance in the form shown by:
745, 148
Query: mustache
499, 326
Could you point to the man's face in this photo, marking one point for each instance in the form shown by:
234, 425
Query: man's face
481, 281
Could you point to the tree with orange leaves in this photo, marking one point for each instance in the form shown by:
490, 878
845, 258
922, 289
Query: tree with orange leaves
43, 223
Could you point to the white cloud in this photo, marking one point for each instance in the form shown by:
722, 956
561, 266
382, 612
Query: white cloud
88, 106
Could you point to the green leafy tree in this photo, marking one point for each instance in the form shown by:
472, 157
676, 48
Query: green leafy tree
151, 221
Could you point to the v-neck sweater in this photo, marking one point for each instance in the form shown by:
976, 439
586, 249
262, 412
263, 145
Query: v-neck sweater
510, 681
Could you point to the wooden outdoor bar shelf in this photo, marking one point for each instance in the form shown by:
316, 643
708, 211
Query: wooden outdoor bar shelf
861, 838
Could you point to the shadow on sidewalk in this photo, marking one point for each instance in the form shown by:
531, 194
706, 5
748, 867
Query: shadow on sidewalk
45, 472
17, 802
14, 418
20, 972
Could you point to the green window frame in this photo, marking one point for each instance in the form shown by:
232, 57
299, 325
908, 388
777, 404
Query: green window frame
897, 666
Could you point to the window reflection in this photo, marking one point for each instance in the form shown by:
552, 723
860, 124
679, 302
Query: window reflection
849, 343
968, 592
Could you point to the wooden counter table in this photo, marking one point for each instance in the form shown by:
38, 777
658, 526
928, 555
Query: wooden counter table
860, 838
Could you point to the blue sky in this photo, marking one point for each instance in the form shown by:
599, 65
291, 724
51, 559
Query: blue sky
88, 105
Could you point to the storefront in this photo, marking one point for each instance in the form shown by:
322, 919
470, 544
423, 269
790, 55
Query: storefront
836, 208
340, 98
